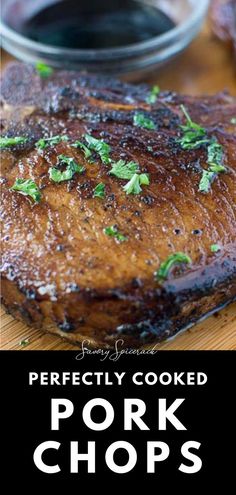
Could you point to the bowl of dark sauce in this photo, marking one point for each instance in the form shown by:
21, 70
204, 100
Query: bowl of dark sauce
109, 36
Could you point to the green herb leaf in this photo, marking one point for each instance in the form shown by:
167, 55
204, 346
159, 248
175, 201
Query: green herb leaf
72, 167
173, 259
45, 142
135, 183
100, 147
215, 154
217, 168
43, 69
152, 97
206, 180
194, 135
144, 180
99, 191
215, 248
124, 170
85, 149
24, 342
113, 232
27, 187
233, 121
5, 142
141, 120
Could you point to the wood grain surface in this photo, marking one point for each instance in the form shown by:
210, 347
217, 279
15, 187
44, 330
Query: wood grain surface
205, 67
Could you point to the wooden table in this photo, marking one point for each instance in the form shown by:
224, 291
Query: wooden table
205, 67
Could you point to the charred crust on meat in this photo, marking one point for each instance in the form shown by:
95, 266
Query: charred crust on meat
148, 200
29, 293
66, 326
73, 288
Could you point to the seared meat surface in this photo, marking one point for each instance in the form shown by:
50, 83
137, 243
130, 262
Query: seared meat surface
61, 271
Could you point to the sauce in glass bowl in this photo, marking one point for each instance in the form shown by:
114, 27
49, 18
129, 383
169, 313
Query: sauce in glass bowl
93, 24
114, 37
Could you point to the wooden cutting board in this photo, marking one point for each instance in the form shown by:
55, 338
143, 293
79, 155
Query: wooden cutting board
205, 67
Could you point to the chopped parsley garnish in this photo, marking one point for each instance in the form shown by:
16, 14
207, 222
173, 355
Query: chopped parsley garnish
173, 259
135, 183
100, 147
141, 120
215, 154
206, 181
152, 97
113, 232
72, 168
12, 141
124, 170
27, 187
24, 342
215, 248
216, 169
85, 149
43, 69
45, 142
233, 121
99, 191
194, 135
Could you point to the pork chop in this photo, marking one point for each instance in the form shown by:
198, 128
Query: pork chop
126, 227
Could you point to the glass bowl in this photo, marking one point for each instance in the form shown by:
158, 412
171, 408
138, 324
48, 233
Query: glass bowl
137, 58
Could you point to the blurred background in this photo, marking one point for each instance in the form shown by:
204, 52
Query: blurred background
174, 43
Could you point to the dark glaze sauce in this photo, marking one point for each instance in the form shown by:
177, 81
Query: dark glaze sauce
93, 24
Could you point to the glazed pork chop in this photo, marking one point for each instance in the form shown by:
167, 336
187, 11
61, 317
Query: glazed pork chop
118, 206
